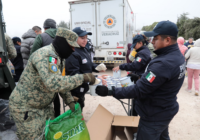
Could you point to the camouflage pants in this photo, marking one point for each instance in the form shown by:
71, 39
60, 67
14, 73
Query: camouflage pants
30, 124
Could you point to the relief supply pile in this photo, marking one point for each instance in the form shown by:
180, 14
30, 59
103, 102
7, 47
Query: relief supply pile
103, 125
116, 80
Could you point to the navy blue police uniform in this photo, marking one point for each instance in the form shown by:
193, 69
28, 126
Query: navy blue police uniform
138, 66
156, 91
79, 63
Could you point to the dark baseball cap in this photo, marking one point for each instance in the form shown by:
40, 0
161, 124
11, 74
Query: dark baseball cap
163, 28
137, 39
81, 31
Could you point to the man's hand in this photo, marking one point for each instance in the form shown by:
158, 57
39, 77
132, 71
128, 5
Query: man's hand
72, 106
116, 69
89, 77
134, 77
103, 77
103, 91
75, 98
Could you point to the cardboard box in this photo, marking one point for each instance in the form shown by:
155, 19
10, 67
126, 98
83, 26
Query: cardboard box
103, 125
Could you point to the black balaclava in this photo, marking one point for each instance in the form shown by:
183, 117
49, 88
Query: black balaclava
62, 47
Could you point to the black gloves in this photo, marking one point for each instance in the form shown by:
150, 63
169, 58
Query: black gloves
104, 91
89, 77
134, 77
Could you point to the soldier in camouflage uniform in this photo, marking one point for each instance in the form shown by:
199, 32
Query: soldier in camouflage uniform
31, 101
12, 53
151, 48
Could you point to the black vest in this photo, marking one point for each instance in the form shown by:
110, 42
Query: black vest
46, 39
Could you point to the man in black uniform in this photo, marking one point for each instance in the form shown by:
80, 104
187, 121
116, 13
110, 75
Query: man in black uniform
156, 90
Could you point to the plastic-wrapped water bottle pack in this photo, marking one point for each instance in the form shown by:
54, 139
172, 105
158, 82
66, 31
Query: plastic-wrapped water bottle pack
116, 80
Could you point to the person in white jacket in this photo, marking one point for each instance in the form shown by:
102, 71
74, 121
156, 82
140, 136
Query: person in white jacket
193, 67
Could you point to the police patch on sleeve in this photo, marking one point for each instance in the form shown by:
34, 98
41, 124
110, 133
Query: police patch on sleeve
150, 77
138, 59
53, 68
84, 61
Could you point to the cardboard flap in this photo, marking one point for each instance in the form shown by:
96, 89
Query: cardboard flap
100, 123
128, 121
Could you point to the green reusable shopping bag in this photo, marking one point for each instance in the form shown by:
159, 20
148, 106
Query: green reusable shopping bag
68, 126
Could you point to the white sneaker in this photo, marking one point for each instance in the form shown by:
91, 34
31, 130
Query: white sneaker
188, 90
196, 92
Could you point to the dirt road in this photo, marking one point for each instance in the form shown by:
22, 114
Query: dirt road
184, 126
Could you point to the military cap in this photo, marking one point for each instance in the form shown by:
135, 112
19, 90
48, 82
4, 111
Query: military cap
70, 36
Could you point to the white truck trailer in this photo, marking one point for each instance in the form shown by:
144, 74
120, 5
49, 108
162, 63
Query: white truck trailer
111, 23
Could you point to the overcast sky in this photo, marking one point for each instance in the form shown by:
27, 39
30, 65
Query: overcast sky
21, 15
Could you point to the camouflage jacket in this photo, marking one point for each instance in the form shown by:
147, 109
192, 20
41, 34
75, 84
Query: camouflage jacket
12, 53
41, 79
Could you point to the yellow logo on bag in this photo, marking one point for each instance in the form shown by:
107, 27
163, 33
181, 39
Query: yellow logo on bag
58, 135
73, 132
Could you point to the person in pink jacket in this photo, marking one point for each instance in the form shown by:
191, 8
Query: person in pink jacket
193, 66
181, 45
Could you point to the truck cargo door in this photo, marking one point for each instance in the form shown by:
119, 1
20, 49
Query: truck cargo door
110, 24
84, 18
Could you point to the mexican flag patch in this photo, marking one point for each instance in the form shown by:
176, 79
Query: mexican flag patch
53, 60
138, 59
150, 77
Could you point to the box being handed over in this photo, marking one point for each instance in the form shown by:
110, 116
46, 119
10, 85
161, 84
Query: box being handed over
103, 125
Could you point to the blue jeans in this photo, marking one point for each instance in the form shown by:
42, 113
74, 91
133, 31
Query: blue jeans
153, 130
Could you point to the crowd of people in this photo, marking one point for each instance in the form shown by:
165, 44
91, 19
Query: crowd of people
59, 62
39, 60
192, 55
